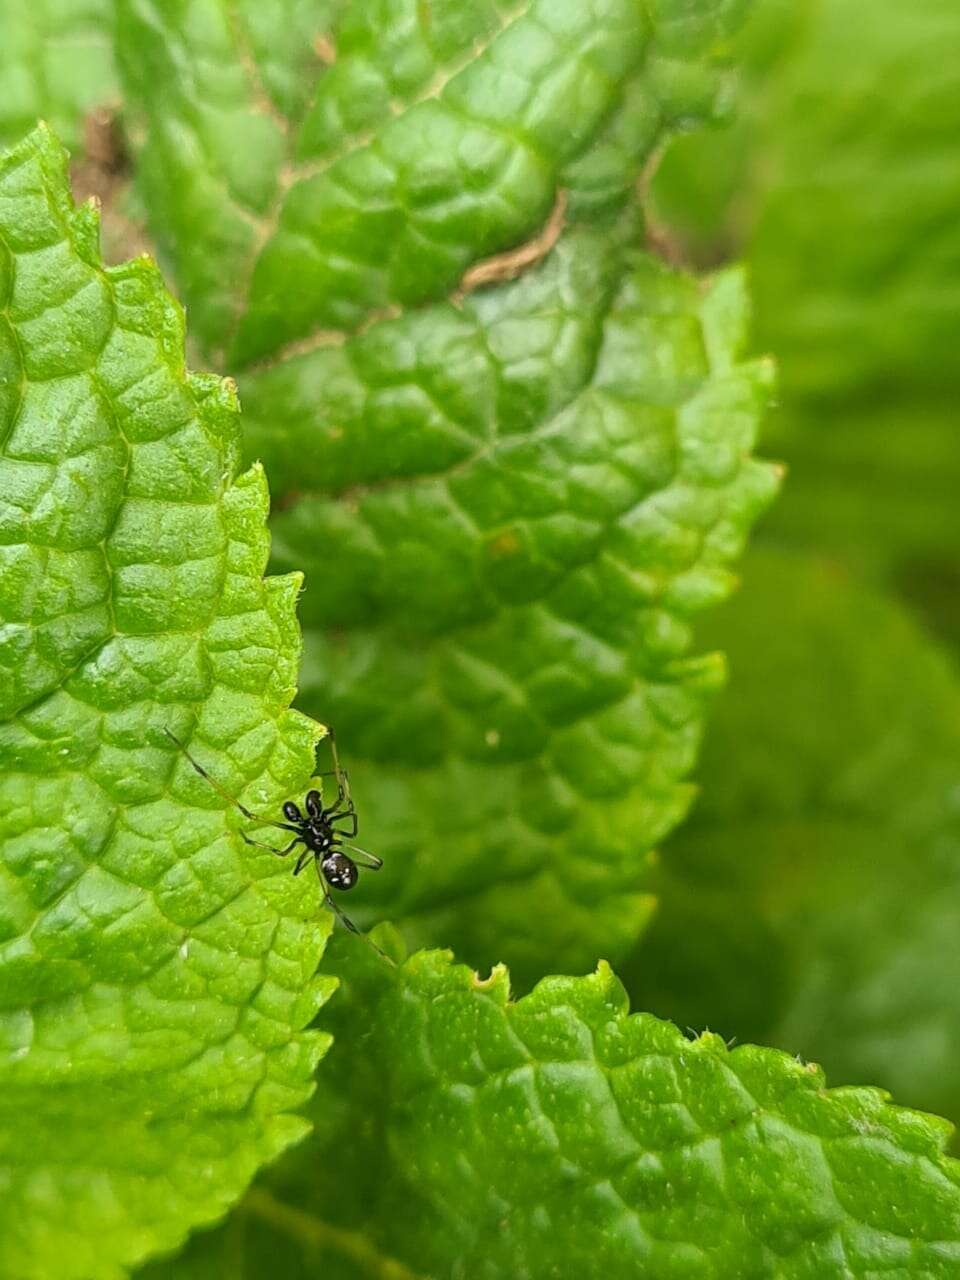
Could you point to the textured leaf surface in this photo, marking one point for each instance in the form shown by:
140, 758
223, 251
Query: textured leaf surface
156, 975
813, 897
56, 63
508, 504
296, 202
508, 609
560, 1136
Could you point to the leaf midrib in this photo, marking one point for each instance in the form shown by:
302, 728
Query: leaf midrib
314, 1232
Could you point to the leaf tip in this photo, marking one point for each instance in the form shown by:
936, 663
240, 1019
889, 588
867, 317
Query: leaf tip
609, 987
496, 983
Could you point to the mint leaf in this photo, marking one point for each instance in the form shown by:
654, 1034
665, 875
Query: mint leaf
295, 200
156, 974
705, 194
506, 614
559, 1135
813, 897
509, 501
56, 64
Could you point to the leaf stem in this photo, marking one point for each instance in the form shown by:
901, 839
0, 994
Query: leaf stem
317, 1234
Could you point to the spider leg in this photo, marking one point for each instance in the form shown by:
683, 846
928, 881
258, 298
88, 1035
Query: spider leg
341, 915
350, 816
257, 844
302, 861
254, 817
345, 919
343, 778
344, 801
364, 857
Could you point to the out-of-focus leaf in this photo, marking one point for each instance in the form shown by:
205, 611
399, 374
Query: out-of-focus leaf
156, 974
839, 183
877, 485
856, 255
813, 898
56, 64
845, 192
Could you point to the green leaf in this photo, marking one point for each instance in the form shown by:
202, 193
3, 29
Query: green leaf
56, 64
295, 201
560, 1136
544, 487
156, 974
509, 502
813, 898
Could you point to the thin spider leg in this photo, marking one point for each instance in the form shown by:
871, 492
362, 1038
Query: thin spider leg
341, 915
254, 817
343, 805
345, 919
343, 793
350, 816
343, 778
364, 857
302, 861
258, 844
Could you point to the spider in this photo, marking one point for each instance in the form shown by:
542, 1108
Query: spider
318, 831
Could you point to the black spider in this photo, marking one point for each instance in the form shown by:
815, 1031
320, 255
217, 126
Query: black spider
318, 831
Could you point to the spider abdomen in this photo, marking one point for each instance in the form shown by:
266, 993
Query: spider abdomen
339, 871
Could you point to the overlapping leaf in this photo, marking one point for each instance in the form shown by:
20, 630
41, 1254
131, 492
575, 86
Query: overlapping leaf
509, 504
559, 1136
813, 898
156, 975
509, 638
296, 201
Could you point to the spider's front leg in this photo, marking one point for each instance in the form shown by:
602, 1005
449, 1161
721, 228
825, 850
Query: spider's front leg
258, 844
343, 778
221, 791
348, 816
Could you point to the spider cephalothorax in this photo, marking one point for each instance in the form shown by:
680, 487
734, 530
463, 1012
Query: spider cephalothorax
319, 830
